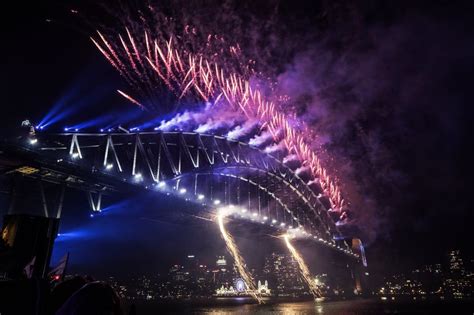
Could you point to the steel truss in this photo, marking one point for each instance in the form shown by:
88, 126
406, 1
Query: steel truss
175, 158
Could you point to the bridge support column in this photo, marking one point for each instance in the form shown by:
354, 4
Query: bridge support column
359, 268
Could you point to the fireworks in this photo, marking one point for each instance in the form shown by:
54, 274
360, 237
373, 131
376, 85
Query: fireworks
239, 261
303, 268
131, 99
145, 61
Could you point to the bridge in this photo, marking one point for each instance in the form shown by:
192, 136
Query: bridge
209, 170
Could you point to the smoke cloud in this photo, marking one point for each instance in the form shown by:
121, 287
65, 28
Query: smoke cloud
367, 83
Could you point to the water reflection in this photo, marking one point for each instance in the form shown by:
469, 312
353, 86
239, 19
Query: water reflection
352, 307
319, 309
273, 309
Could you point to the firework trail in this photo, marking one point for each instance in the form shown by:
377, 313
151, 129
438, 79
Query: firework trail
145, 61
239, 260
131, 99
303, 267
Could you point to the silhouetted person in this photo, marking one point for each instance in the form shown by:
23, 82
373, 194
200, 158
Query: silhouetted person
95, 298
63, 291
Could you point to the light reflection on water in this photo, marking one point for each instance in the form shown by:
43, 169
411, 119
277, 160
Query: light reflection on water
349, 307
273, 309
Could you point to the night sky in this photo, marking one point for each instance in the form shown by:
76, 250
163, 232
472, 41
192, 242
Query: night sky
388, 85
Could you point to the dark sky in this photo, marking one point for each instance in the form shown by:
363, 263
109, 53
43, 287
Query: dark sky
397, 97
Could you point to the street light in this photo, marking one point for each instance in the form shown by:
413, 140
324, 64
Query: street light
138, 177
161, 184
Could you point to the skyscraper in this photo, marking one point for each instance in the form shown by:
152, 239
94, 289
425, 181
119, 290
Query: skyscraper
456, 264
223, 274
283, 274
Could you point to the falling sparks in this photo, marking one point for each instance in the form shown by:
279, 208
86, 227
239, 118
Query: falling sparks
303, 268
239, 260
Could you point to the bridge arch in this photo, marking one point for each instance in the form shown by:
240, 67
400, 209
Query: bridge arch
152, 158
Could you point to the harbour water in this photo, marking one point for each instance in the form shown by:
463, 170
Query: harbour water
352, 307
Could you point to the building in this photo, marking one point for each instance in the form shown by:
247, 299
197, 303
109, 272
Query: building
240, 289
263, 289
222, 273
456, 264
284, 276
453, 281
457, 283
221, 262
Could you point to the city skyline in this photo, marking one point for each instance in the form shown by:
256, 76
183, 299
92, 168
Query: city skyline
451, 279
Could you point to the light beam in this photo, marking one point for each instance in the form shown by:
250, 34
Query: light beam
303, 268
239, 260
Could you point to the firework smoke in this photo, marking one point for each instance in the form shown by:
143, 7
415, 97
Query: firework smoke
261, 139
303, 267
241, 131
238, 259
275, 147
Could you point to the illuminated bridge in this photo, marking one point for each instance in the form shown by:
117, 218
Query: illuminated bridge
206, 169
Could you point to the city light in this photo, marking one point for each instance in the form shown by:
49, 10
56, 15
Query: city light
161, 184
75, 155
182, 191
217, 202
33, 141
200, 197
109, 166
